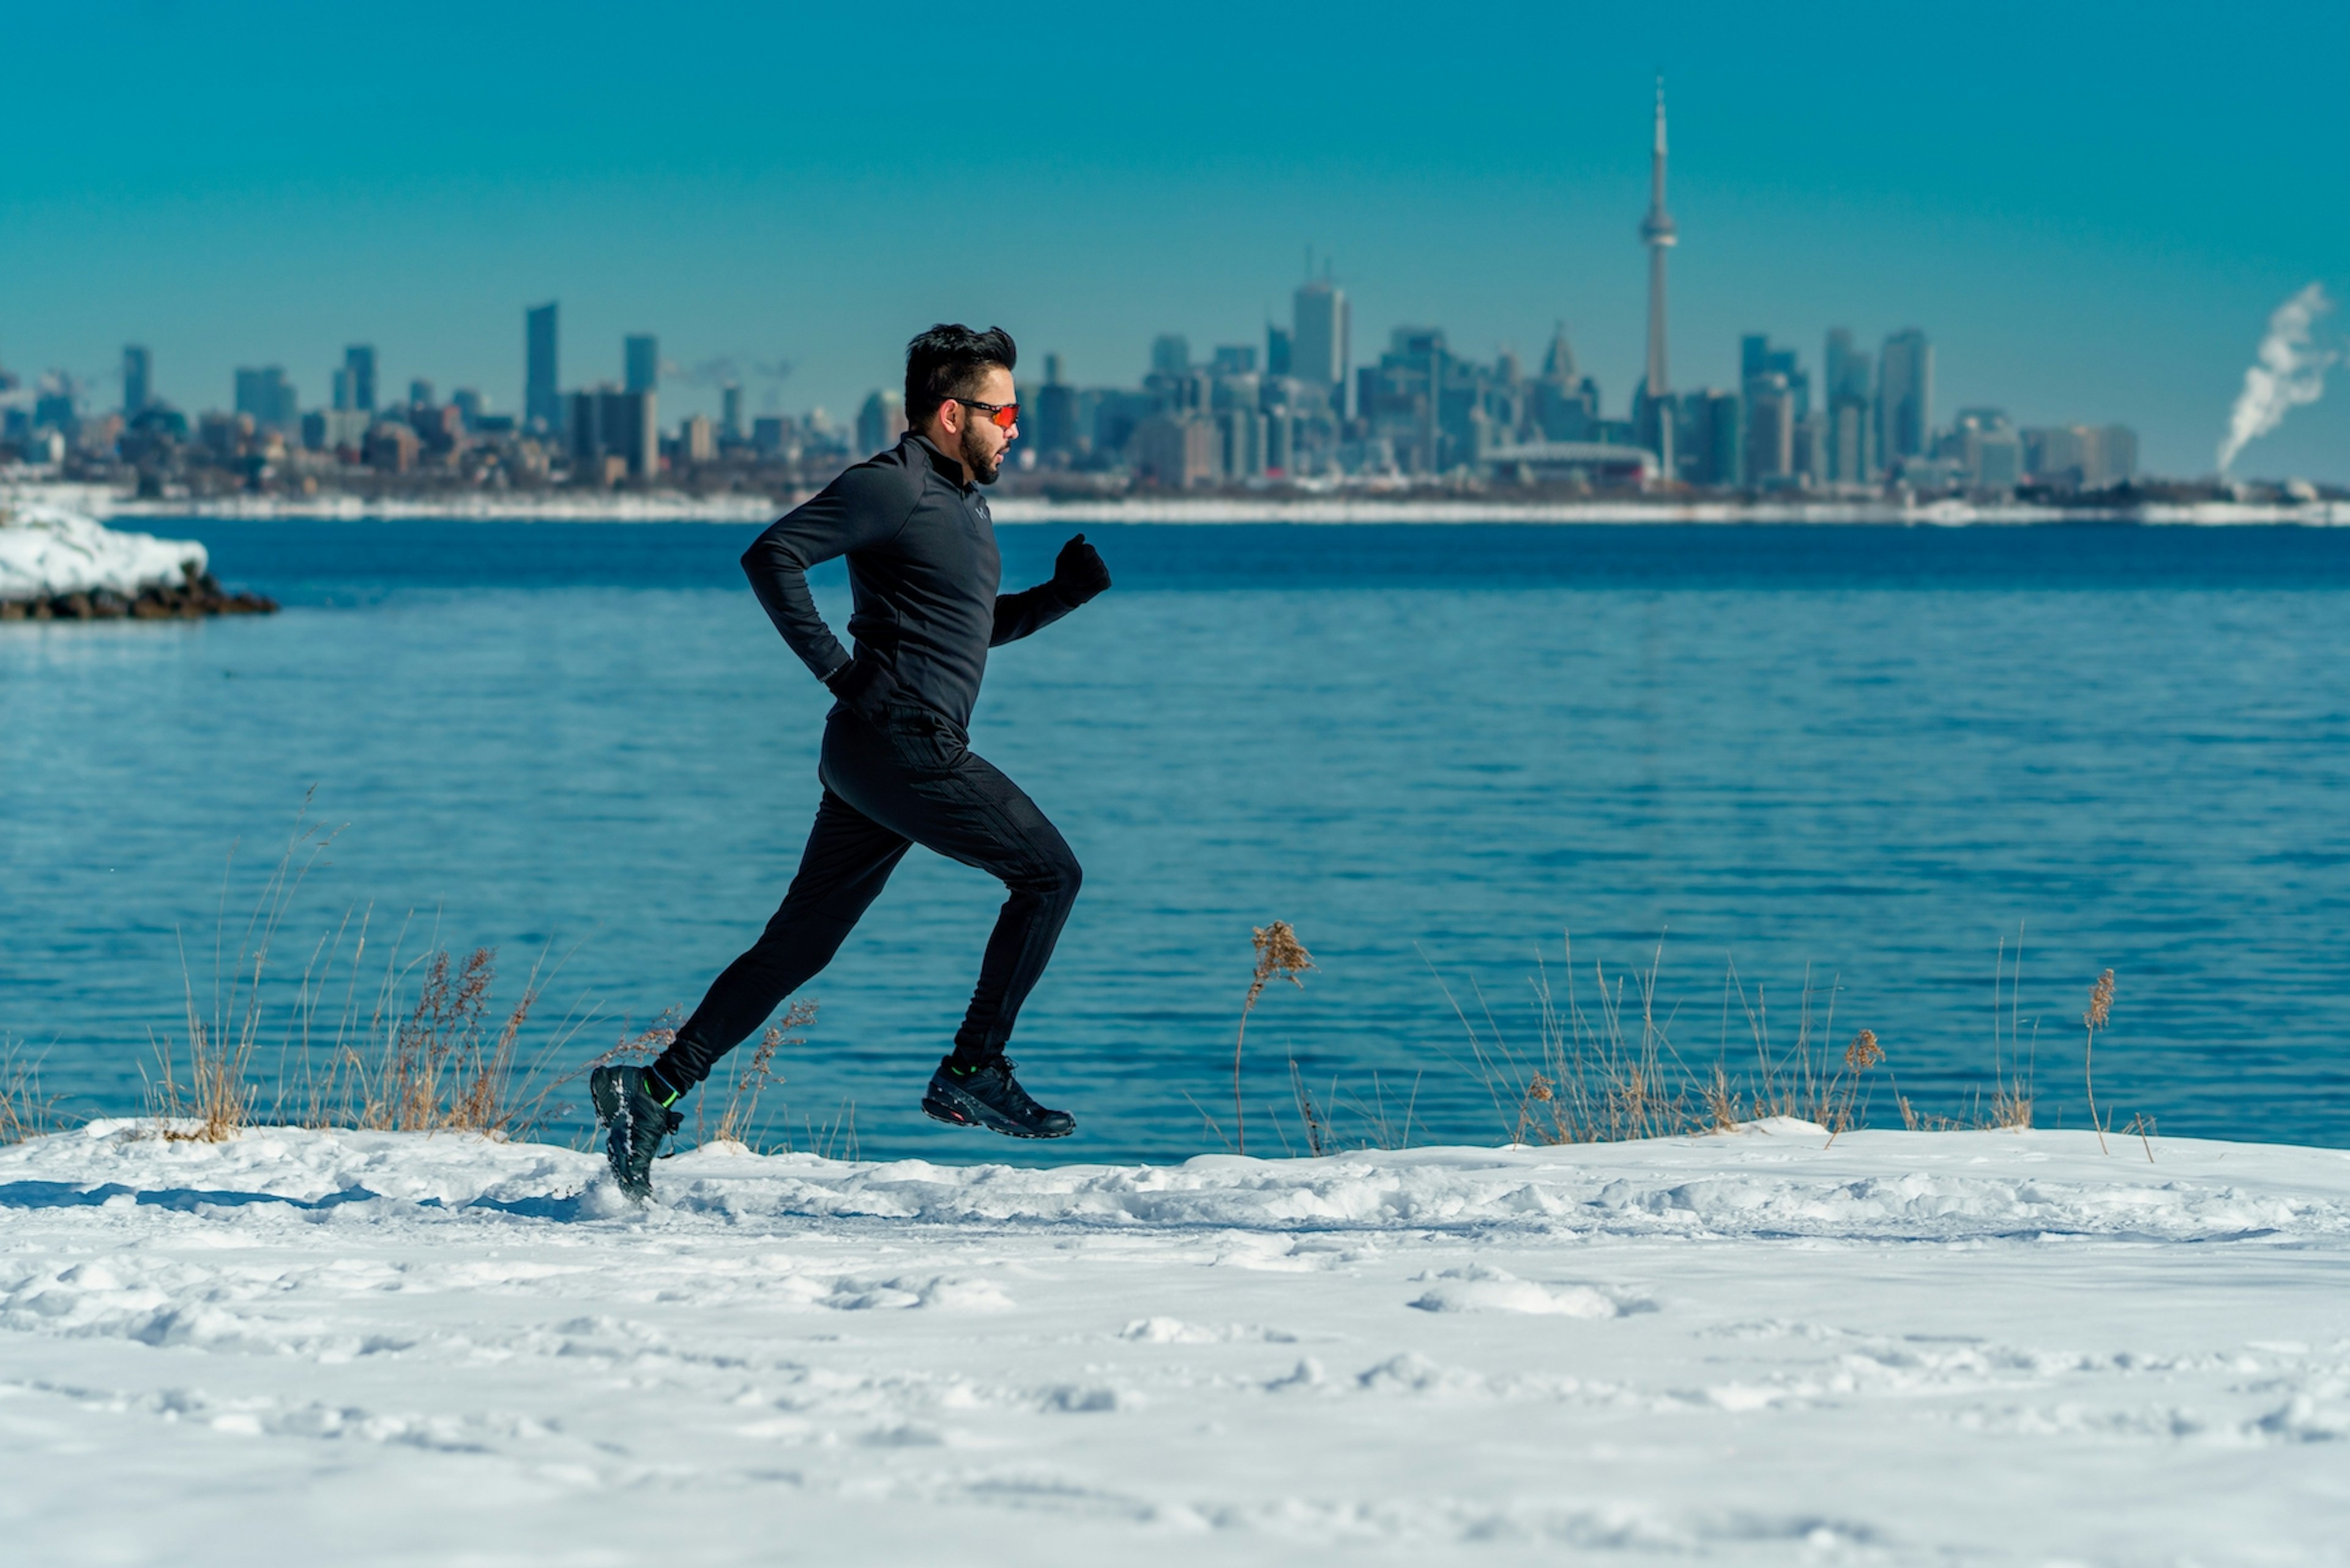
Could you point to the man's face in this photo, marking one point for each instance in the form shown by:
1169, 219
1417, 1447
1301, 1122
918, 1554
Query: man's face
985, 442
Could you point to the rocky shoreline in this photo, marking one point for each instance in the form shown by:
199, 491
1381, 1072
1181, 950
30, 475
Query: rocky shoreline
198, 597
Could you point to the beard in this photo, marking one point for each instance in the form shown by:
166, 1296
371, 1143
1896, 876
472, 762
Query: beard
984, 465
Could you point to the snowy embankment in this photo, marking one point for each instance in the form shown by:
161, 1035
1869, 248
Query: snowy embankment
57, 563
1902, 1348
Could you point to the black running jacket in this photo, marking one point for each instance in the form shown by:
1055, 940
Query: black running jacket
923, 571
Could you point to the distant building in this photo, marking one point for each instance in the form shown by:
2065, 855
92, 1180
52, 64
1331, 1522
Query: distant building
1170, 355
1851, 449
2117, 455
1784, 444
1276, 350
1234, 359
541, 404
1769, 431
138, 381
697, 440
1177, 452
1242, 440
340, 430
1707, 440
420, 394
356, 382
2080, 457
1599, 464
1726, 440
1905, 397
730, 415
1057, 435
643, 352
1319, 347
770, 434
610, 425
1987, 449
880, 422
392, 448
470, 407
1565, 405
1118, 414
268, 397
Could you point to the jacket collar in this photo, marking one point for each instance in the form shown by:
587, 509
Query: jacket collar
948, 469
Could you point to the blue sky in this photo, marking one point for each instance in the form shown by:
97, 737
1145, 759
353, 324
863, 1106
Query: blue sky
2090, 210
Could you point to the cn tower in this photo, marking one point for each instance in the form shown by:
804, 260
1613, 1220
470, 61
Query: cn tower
1657, 233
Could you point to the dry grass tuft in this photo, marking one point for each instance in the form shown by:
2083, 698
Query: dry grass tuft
441, 1068
1592, 1077
752, 1074
215, 1101
25, 1111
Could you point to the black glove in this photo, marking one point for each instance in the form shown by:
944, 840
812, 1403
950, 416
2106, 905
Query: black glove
1078, 573
862, 685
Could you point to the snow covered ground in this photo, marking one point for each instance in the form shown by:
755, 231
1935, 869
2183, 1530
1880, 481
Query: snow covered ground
47, 550
1958, 1347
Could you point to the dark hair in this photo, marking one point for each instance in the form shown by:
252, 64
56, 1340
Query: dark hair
947, 361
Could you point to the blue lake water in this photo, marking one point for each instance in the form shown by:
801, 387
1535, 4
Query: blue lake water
1869, 753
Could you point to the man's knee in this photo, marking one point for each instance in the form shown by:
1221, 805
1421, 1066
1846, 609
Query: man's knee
1053, 873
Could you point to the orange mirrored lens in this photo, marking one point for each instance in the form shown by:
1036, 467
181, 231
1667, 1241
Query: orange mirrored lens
1006, 416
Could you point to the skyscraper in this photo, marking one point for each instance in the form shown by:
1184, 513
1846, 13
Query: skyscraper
358, 367
1905, 396
730, 415
1277, 349
1319, 351
138, 381
541, 404
268, 397
643, 355
1056, 413
1851, 428
1171, 354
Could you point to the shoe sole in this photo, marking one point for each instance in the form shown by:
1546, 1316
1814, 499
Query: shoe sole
970, 1113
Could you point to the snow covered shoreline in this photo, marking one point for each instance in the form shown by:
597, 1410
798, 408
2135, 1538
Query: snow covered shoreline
1754, 1348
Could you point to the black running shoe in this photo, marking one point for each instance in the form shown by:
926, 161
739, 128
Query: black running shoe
992, 1097
636, 1122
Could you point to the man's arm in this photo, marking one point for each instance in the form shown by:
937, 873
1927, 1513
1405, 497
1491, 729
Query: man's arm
1078, 575
863, 508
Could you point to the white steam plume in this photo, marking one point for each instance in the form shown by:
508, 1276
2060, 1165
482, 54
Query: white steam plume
2290, 372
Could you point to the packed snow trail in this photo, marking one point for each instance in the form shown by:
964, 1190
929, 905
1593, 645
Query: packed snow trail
381, 1348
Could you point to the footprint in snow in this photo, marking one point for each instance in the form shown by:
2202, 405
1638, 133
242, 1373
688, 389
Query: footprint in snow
1479, 1289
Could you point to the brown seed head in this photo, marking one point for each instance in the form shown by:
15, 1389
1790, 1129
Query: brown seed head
2101, 1001
1539, 1089
1863, 1052
1278, 951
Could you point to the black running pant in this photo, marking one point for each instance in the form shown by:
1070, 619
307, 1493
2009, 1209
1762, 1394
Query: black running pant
910, 779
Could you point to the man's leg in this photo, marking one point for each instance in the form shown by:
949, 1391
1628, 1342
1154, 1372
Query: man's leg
923, 784
848, 860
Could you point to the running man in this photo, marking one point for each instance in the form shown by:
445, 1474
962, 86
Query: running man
896, 765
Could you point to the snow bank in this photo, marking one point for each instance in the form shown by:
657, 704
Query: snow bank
1758, 1348
48, 551
1780, 1180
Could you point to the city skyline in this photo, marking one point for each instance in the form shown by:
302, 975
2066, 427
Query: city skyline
2073, 256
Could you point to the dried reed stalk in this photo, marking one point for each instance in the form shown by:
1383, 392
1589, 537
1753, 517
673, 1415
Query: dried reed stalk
2101, 1007
1277, 952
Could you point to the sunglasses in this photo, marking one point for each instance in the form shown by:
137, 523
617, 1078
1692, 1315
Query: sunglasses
1005, 415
